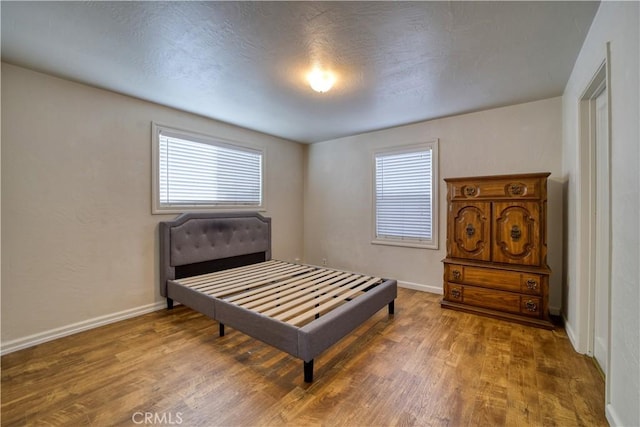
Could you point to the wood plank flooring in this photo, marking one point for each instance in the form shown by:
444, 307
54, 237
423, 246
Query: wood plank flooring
425, 366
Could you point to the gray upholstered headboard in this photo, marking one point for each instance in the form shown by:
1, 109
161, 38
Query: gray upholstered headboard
198, 243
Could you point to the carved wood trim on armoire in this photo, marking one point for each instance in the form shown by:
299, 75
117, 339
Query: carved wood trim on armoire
496, 262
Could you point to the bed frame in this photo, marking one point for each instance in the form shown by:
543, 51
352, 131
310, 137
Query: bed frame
220, 265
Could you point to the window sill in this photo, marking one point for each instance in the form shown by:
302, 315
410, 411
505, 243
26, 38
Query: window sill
195, 208
404, 243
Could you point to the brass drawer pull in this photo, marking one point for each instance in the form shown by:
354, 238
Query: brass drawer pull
470, 230
515, 232
515, 189
456, 274
470, 191
531, 306
532, 284
455, 293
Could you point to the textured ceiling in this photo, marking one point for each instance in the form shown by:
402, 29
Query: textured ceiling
245, 62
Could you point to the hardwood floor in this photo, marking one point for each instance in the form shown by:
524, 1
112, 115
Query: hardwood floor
425, 366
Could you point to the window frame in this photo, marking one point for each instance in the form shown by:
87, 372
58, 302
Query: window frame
409, 242
158, 208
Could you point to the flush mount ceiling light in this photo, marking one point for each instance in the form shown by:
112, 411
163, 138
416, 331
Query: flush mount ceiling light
321, 80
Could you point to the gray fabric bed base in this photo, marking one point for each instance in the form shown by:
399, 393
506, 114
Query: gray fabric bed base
305, 342
215, 241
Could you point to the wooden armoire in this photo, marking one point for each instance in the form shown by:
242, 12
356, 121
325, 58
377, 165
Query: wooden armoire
496, 262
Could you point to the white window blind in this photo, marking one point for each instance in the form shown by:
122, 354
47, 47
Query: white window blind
404, 195
194, 172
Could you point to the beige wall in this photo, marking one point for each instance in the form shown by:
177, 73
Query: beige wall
615, 23
79, 243
338, 191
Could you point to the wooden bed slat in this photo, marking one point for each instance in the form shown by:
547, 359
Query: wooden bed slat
309, 293
213, 281
303, 292
276, 293
253, 294
226, 273
296, 321
292, 293
251, 281
345, 286
241, 275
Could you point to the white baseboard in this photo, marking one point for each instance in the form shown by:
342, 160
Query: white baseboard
421, 287
52, 334
570, 333
612, 416
555, 311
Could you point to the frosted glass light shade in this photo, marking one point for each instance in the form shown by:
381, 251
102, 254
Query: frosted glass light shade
320, 80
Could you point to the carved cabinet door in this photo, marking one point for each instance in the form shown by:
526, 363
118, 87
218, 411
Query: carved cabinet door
470, 230
516, 233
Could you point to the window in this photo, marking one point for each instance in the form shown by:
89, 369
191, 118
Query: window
406, 195
198, 172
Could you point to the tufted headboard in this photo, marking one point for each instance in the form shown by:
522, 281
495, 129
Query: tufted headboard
199, 243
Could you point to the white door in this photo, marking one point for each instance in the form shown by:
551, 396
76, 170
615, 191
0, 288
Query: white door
602, 232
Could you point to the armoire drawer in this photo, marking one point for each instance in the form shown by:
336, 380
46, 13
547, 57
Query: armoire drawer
516, 188
512, 281
453, 292
495, 300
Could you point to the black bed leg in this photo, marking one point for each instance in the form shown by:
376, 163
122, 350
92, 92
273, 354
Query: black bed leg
169, 303
308, 371
221, 329
392, 307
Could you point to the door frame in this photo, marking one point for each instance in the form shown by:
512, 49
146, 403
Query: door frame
587, 128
